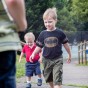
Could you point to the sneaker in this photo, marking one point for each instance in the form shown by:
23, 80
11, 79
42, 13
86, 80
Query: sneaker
28, 85
39, 82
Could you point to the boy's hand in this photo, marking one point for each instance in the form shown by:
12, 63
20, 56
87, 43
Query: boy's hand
40, 60
69, 60
31, 58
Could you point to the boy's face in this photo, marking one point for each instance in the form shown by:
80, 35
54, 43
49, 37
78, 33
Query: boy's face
29, 41
50, 23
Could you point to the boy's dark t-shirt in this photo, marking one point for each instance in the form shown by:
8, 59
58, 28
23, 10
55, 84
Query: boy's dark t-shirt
51, 42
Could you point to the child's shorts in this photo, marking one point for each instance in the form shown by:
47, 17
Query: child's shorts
53, 70
32, 68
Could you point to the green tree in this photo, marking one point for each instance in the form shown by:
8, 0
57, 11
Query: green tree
79, 13
35, 10
65, 21
80, 10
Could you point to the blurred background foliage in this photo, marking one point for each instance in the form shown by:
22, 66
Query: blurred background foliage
72, 14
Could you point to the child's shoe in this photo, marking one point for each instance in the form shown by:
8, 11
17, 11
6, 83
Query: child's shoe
28, 85
39, 82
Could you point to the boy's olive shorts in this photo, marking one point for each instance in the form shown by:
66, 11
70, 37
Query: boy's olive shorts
53, 70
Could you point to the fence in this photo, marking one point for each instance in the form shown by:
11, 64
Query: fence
82, 52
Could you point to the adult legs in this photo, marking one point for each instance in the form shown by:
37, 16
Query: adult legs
7, 69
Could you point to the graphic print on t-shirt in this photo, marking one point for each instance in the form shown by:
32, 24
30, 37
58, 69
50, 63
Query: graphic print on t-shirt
51, 42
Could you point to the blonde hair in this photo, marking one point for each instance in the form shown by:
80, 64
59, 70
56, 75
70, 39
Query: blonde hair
50, 12
29, 35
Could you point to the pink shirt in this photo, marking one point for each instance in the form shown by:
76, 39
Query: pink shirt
28, 51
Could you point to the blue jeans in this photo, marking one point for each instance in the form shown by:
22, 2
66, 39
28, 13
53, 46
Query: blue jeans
7, 69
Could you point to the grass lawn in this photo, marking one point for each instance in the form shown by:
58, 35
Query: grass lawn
20, 67
78, 86
83, 64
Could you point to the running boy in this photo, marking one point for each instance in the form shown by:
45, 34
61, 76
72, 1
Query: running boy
51, 41
31, 68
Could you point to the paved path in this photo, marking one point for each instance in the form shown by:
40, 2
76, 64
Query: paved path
75, 74
72, 74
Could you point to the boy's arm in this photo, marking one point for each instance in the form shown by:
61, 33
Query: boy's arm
22, 54
16, 9
66, 46
23, 43
37, 50
40, 59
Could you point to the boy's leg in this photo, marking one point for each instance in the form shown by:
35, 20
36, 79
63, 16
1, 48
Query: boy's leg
47, 72
39, 83
53, 72
57, 72
38, 72
39, 76
51, 84
29, 74
57, 86
28, 85
28, 79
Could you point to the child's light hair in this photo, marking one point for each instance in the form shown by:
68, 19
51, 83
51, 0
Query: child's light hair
50, 12
29, 35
